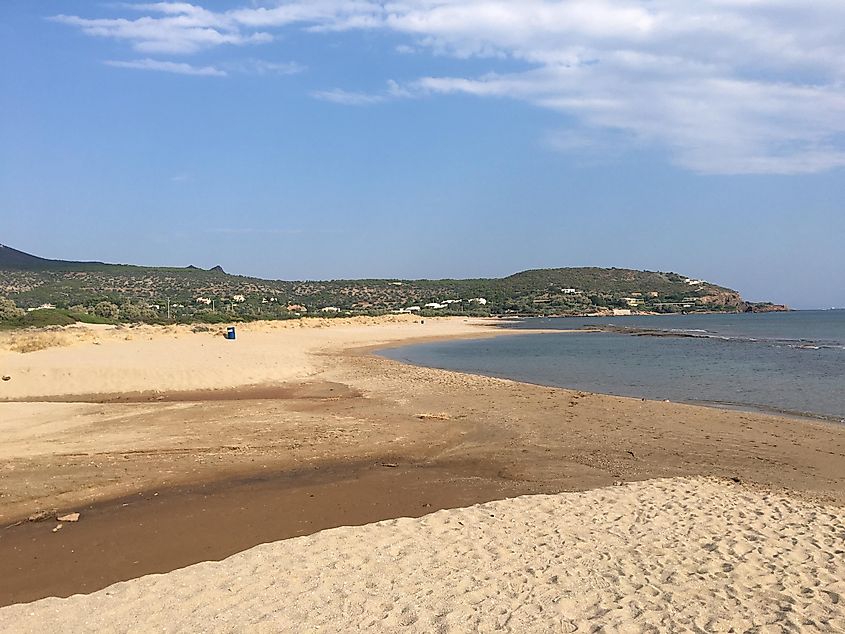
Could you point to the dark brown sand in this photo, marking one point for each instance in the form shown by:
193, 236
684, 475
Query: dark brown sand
156, 532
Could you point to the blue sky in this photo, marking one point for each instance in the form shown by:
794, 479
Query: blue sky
430, 138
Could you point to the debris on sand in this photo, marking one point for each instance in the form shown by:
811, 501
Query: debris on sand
70, 517
434, 416
40, 516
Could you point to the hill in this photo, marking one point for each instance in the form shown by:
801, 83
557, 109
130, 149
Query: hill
198, 294
14, 260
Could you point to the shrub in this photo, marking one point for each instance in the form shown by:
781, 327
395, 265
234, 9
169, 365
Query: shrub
107, 310
9, 310
133, 312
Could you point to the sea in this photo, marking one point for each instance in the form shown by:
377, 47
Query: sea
790, 363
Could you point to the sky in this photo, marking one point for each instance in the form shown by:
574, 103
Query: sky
328, 139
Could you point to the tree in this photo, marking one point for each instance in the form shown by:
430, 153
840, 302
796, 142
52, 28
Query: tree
9, 311
107, 310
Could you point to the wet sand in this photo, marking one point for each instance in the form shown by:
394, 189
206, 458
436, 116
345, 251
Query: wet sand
160, 531
232, 464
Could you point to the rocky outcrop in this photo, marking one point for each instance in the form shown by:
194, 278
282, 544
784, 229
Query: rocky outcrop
730, 299
764, 307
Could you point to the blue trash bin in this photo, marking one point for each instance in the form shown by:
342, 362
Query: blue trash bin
230, 332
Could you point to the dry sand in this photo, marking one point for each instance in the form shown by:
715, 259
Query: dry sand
198, 419
107, 360
666, 555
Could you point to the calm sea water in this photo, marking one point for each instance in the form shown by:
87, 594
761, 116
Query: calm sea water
785, 362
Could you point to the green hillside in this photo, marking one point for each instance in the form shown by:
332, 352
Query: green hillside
143, 293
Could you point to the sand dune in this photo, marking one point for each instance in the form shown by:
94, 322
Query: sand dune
684, 554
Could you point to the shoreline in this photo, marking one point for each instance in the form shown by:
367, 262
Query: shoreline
354, 416
316, 391
719, 405
716, 405
272, 391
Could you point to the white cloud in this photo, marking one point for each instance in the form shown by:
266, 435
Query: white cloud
708, 124
180, 68
181, 30
265, 67
351, 98
726, 86
348, 98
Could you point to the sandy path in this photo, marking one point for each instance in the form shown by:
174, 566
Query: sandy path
663, 556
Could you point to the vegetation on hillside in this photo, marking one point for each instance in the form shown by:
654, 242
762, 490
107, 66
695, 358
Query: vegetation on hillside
111, 293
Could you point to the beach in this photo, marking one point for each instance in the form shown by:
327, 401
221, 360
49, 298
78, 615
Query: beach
178, 446
665, 555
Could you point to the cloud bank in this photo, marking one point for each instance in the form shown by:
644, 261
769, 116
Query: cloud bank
725, 86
